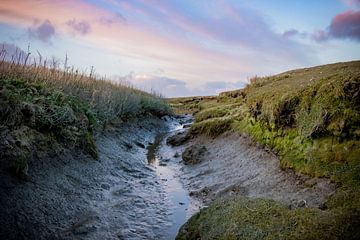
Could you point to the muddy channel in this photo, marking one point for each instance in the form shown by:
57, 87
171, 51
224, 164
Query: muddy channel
141, 188
166, 162
132, 191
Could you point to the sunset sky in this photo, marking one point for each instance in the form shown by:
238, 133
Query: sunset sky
182, 48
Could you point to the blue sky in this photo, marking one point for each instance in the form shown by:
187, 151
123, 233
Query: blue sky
182, 48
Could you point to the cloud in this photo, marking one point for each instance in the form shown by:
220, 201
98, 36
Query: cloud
111, 20
224, 24
79, 27
352, 3
293, 33
290, 33
170, 87
214, 88
320, 36
346, 25
193, 40
43, 31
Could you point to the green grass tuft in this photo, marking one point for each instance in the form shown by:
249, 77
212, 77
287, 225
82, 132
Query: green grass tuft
212, 127
210, 113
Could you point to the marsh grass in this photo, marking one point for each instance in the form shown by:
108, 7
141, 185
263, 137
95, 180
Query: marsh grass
54, 104
108, 99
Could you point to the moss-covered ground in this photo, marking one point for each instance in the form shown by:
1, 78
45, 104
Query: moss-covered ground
310, 118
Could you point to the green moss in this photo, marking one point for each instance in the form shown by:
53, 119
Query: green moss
242, 218
212, 128
210, 113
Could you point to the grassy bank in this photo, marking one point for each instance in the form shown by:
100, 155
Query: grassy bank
44, 109
310, 118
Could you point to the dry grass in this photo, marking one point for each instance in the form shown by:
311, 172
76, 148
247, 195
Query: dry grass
58, 108
108, 99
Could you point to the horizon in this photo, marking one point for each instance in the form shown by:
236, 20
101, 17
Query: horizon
185, 48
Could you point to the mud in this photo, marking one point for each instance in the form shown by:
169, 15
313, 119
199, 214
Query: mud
233, 165
194, 154
72, 196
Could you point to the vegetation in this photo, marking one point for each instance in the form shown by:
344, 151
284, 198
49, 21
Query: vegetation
311, 119
43, 107
242, 218
34, 106
212, 127
108, 100
190, 105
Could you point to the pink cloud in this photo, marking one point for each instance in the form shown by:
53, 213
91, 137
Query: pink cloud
346, 25
352, 3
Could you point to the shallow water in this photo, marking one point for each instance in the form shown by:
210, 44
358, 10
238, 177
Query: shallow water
165, 161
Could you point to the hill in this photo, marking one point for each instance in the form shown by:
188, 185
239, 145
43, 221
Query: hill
309, 118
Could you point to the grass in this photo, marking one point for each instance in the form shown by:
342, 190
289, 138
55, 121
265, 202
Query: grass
56, 106
211, 127
259, 219
109, 100
34, 106
310, 118
190, 105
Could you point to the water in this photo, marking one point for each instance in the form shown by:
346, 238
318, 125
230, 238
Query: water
165, 161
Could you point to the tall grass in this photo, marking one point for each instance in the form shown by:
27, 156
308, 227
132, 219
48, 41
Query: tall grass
108, 99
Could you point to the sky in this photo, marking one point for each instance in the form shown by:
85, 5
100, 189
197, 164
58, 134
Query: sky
184, 47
